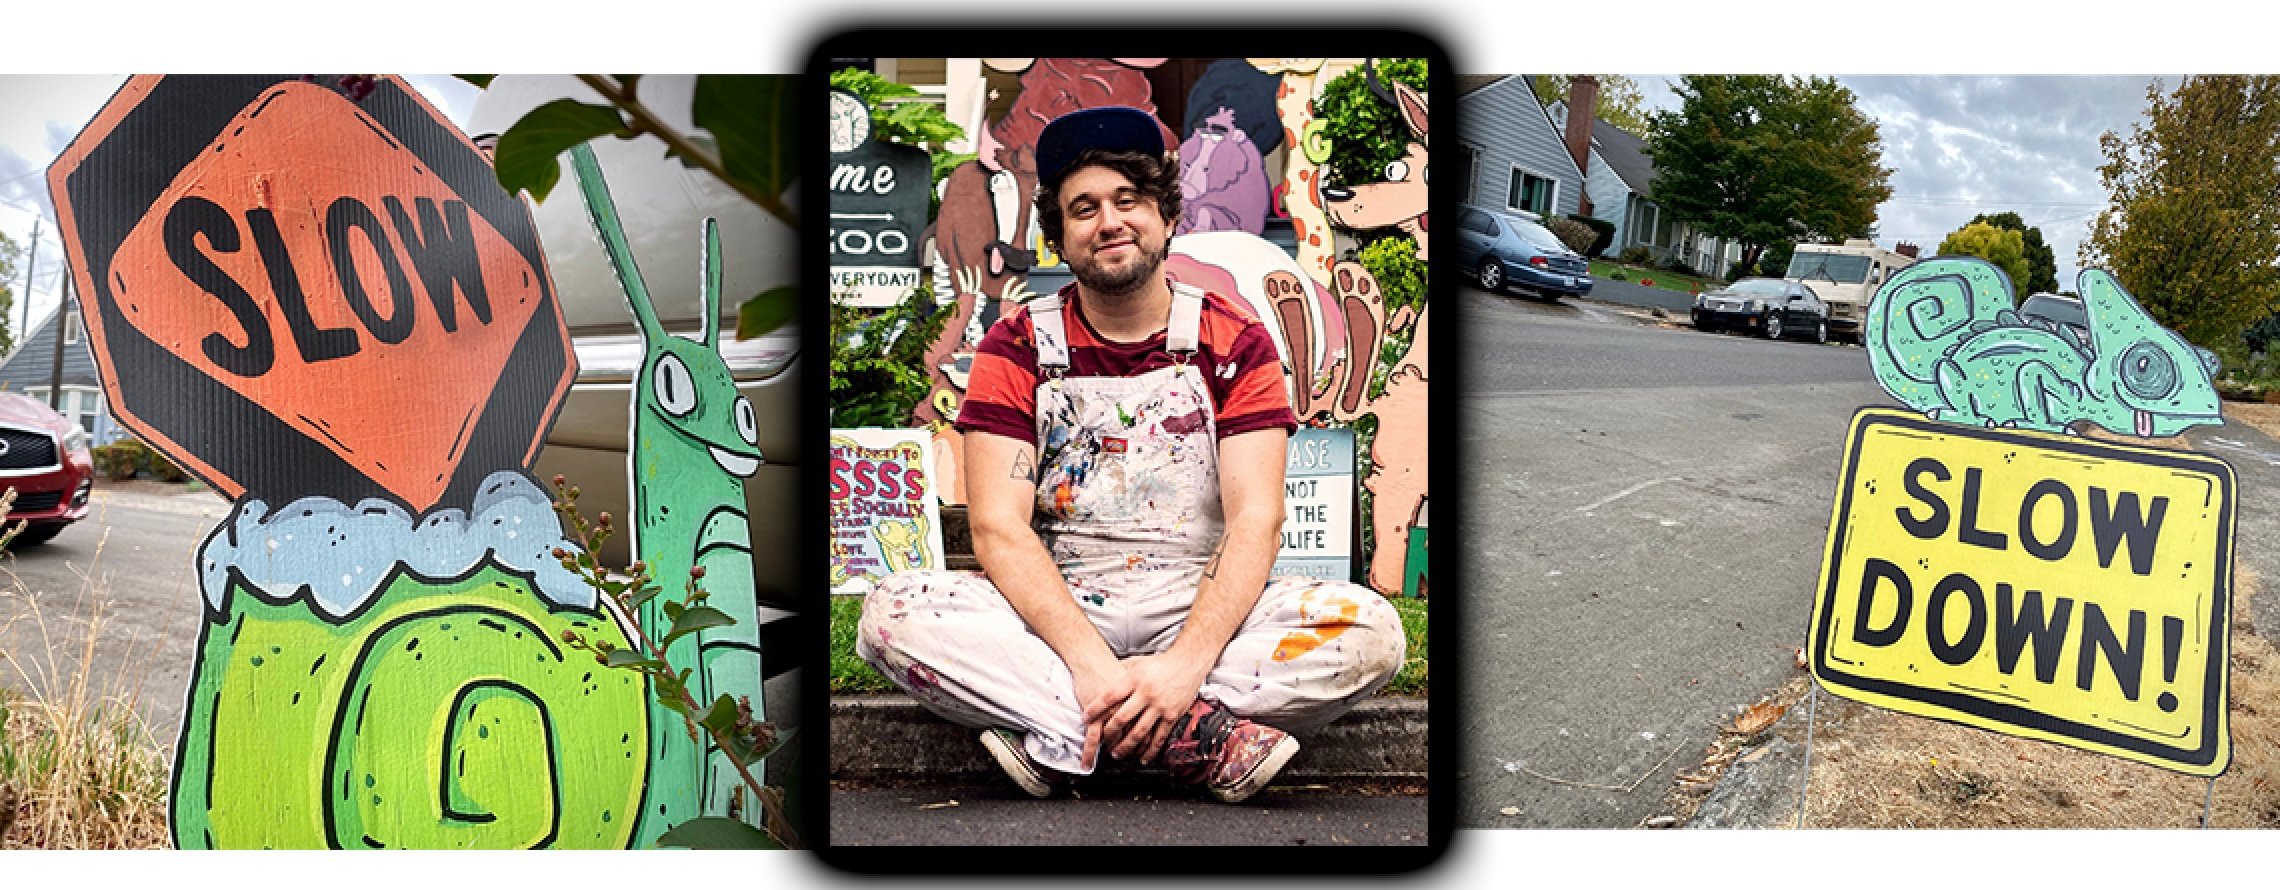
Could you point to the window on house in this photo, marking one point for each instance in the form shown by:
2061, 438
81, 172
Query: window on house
84, 406
71, 328
1532, 193
1472, 173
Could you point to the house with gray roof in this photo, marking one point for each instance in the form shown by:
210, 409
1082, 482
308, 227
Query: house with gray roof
1619, 184
1510, 153
31, 368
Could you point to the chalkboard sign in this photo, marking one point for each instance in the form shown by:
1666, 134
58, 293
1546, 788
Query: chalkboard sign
878, 209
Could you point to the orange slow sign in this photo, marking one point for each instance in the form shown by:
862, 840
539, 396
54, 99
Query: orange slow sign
317, 268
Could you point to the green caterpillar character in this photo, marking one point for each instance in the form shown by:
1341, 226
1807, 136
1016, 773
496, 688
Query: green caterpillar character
368, 679
1943, 339
695, 441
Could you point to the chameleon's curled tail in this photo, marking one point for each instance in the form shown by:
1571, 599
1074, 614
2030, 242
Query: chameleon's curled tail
1924, 310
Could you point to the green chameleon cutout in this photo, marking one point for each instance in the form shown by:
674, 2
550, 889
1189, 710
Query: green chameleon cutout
1943, 338
694, 442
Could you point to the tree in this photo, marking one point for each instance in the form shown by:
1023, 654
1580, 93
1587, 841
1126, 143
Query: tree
1620, 103
2042, 265
11, 253
1765, 158
2006, 248
2190, 227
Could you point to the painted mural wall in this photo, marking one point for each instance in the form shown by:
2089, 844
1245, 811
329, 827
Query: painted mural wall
1253, 150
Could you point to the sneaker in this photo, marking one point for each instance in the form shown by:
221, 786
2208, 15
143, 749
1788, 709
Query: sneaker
1004, 746
1233, 757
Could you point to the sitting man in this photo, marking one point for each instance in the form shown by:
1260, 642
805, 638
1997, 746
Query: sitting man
1143, 425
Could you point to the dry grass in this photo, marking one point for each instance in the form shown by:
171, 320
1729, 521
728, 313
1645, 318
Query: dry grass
79, 769
1874, 768
2264, 417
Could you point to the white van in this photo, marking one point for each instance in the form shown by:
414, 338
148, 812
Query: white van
1846, 276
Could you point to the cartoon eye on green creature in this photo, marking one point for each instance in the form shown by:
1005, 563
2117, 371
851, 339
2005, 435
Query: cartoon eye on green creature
1943, 338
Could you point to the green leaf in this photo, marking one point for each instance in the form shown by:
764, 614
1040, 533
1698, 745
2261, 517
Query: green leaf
696, 619
717, 833
481, 81
752, 119
669, 695
628, 658
527, 151
767, 311
613, 588
721, 716
673, 610
644, 594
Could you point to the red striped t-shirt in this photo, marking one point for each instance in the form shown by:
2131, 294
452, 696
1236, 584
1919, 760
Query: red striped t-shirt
1234, 353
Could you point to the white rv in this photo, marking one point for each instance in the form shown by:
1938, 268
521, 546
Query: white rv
1846, 276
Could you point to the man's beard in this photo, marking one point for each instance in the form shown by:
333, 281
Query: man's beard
1096, 278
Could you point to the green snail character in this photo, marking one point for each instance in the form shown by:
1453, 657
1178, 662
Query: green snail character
694, 443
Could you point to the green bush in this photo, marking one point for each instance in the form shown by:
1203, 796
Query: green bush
162, 469
1575, 235
1606, 232
1400, 274
878, 359
1636, 254
118, 460
1364, 132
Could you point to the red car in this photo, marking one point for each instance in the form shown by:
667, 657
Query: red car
44, 457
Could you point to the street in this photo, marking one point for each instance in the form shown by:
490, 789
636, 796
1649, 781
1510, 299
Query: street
1648, 507
135, 556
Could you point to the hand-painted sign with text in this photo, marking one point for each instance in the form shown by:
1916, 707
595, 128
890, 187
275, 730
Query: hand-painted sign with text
288, 274
1318, 506
879, 198
2039, 585
884, 515
314, 295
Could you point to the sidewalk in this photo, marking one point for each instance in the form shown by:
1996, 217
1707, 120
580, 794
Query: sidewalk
889, 737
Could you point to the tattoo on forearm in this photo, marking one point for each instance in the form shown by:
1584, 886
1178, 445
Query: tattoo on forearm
1021, 468
1211, 569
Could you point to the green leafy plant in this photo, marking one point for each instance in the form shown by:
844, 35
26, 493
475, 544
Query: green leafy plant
728, 721
1636, 254
1366, 132
1603, 230
899, 115
1575, 235
1400, 274
878, 359
749, 142
119, 460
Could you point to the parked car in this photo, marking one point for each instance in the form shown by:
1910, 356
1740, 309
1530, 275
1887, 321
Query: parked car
1504, 249
44, 457
2065, 316
1773, 307
2059, 314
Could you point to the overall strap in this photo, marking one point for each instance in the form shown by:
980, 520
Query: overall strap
1051, 331
1180, 336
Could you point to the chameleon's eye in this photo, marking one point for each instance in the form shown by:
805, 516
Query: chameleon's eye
2148, 372
747, 425
676, 391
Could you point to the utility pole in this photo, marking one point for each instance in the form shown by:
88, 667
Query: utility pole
62, 323
22, 328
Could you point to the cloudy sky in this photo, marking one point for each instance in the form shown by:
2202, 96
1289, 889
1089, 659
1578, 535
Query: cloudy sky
39, 115
1962, 146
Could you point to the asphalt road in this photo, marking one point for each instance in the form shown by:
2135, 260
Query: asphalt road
129, 567
1646, 512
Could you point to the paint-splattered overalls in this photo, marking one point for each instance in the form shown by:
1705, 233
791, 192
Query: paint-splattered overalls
1128, 505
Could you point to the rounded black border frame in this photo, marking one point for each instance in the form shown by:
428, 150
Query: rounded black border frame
1221, 40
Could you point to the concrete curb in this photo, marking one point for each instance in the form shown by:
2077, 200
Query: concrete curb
891, 737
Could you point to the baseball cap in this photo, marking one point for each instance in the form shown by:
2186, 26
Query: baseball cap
1108, 127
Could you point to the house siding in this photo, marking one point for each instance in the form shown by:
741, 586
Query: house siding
32, 364
1503, 121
